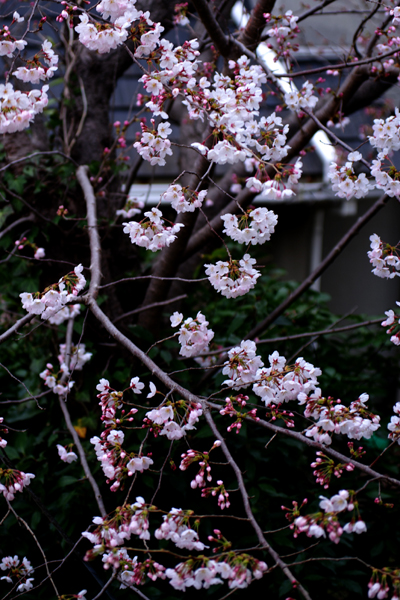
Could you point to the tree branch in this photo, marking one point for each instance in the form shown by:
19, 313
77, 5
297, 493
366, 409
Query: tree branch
95, 249
245, 498
333, 254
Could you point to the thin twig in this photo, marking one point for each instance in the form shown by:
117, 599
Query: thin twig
73, 432
20, 323
142, 308
25, 524
245, 498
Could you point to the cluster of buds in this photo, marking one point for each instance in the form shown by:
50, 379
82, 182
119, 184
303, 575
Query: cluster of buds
3, 442
25, 243
194, 456
219, 491
282, 34
325, 467
378, 586
238, 416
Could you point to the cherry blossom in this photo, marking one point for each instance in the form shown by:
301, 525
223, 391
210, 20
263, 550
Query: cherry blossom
151, 233
66, 456
53, 300
233, 278
19, 570
304, 98
242, 365
14, 481
253, 227
183, 199
194, 336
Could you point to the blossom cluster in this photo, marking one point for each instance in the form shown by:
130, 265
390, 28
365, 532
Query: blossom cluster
194, 336
36, 71
8, 43
108, 36
112, 532
239, 572
151, 233
384, 258
182, 199
355, 421
19, 108
175, 528
199, 572
18, 569
252, 227
162, 421
57, 380
392, 322
3, 442
117, 463
132, 207
154, 145
78, 357
280, 383
242, 365
394, 425
282, 34
319, 524
53, 300
344, 180
14, 481
234, 278
304, 98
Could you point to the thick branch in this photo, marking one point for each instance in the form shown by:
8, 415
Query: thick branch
20, 323
251, 34
215, 32
95, 249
